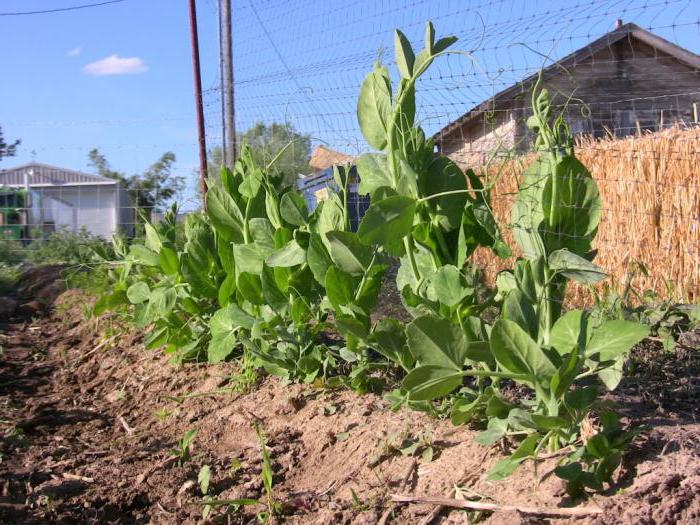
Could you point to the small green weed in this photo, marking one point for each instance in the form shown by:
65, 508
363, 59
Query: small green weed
182, 452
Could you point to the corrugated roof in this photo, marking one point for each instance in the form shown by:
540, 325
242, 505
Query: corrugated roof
625, 31
46, 175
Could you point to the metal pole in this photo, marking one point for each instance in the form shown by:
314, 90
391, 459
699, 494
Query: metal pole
198, 103
227, 44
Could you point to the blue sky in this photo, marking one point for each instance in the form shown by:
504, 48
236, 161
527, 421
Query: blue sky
297, 60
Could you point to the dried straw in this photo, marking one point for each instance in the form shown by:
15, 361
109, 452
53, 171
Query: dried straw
650, 192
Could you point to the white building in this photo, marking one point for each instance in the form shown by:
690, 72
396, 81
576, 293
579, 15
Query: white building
72, 200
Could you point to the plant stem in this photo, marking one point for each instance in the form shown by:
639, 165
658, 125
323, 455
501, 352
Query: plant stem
489, 373
446, 193
408, 244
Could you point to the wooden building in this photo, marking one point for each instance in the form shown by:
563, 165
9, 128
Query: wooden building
625, 82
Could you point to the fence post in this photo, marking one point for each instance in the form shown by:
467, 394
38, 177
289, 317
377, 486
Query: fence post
198, 103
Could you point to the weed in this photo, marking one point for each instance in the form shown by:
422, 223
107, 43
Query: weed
203, 479
162, 414
182, 451
273, 507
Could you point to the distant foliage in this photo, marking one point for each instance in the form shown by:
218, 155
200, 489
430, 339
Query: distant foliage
7, 149
151, 190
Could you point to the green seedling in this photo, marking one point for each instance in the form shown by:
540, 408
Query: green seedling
203, 479
182, 453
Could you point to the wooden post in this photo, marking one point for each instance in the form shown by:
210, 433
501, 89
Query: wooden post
695, 112
227, 83
198, 103
639, 128
661, 121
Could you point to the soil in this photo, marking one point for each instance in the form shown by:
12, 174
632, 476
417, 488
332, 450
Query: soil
88, 419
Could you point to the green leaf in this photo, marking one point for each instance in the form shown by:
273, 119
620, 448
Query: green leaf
403, 54
197, 275
224, 214
613, 339
389, 340
569, 332
274, 297
250, 287
318, 258
428, 382
517, 308
143, 255
448, 286
505, 467
291, 254
573, 214
374, 107
443, 175
515, 351
436, 341
387, 221
138, 292
331, 216
373, 170
272, 209
340, 287
497, 407
429, 37
168, 260
495, 430
348, 253
226, 290
505, 283
262, 232
547, 423
161, 302
581, 398
250, 186
220, 347
249, 258
293, 208
484, 217
153, 241
612, 375
565, 375
442, 44
575, 267
229, 318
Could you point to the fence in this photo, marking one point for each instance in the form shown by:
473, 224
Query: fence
298, 67
650, 190
626, 74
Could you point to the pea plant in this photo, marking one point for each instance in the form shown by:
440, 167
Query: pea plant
170, 284
555, 356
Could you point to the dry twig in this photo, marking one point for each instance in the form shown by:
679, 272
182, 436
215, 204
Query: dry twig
494, 507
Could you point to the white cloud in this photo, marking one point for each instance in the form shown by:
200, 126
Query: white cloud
74, 52
116, 65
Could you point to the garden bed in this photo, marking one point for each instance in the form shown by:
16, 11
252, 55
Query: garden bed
89, 417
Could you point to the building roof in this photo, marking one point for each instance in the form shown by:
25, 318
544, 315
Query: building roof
323, 158
46, 175
626, 31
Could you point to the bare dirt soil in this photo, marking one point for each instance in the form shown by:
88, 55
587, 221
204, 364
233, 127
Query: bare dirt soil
88, 417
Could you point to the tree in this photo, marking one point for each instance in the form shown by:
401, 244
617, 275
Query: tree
150, 190
7, 149
99, 162
266, 141
157, 185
